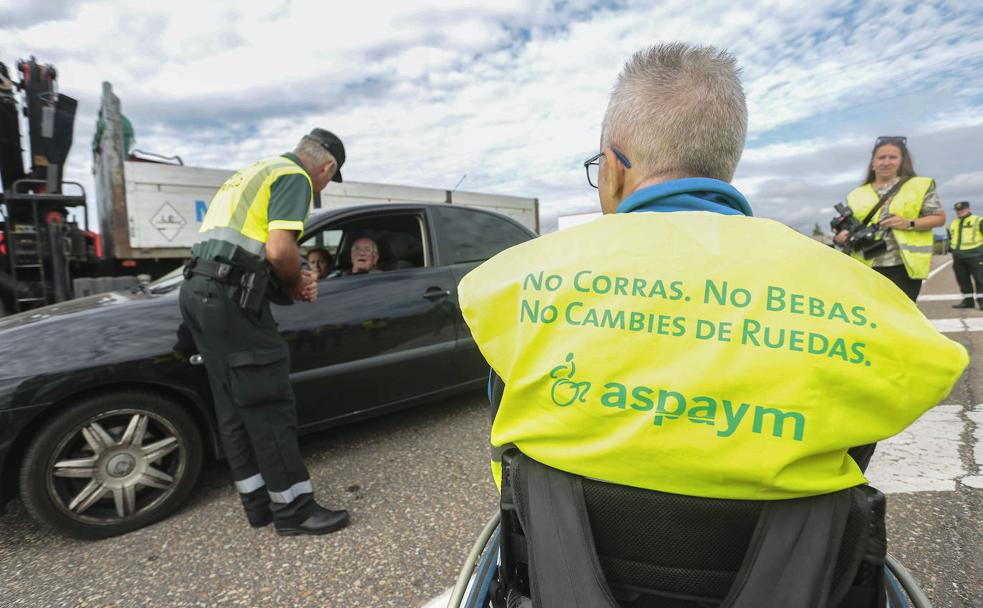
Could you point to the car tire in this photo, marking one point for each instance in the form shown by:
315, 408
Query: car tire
111, 464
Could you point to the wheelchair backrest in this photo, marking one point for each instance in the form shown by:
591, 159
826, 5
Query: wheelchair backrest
670, 551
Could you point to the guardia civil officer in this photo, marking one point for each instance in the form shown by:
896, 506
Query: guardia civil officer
248, 249
679, 344
966, 242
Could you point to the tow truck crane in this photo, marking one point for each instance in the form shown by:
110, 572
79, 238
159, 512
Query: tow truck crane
42, 246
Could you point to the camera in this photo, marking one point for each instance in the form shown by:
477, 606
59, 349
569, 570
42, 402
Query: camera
865, 240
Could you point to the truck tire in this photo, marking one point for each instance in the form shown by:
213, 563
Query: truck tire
113, 463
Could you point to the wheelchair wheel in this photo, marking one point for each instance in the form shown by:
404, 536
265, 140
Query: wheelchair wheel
896, 597
479, 594
466, 579
901, 588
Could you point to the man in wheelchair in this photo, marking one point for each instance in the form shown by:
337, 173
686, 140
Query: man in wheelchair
677, 385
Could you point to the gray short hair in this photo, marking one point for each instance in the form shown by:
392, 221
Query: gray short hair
312, 149
680, 110
375, 247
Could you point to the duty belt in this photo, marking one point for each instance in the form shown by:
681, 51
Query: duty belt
252, 285
219, 271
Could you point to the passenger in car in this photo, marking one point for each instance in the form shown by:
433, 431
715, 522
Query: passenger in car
365, 257
319, 259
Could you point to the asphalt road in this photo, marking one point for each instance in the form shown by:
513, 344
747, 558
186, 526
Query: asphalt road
933, 473
417, 484
419, 490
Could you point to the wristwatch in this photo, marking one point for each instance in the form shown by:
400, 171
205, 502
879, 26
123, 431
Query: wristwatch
911, 224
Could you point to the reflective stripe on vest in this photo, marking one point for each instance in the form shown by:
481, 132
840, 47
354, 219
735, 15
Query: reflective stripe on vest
632, 351
915, 245
238, 211
964, 233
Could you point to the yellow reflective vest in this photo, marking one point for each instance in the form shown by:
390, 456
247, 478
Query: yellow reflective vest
238, 211
966, 233
915, 245
700, 354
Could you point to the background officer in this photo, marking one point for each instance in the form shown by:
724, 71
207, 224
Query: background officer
249, 239
966, 242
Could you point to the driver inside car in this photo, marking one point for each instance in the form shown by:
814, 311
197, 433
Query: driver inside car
365, 257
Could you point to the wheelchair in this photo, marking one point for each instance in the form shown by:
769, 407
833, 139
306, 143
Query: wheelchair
649, 549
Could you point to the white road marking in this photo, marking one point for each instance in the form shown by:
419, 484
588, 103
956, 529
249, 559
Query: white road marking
923, 458
976, 481
940, 297
958, 324
939, 269
949, 326
440, 601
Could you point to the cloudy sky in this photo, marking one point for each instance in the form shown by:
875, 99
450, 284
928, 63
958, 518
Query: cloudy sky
511, 93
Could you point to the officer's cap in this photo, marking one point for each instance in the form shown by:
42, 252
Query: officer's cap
961, 205
330, 142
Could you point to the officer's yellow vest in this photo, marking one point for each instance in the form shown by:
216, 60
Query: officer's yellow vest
701, 354
971, 237
238, 211
915, 245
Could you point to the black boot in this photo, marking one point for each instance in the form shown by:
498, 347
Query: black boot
318, 521
966, 303
980, 302
257, 506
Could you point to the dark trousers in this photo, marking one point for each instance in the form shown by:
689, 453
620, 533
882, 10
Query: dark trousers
862, 455
899, 276
248, 366
968, 267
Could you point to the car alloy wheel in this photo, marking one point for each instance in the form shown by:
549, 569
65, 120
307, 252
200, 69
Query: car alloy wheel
116, 465
111, 463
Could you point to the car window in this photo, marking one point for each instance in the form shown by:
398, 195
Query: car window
324, 239
473, 236
398, 239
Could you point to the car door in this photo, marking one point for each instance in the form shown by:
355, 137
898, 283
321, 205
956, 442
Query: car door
466, 238
370, 340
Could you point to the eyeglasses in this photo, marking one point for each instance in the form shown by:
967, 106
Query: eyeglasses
593, 165
891, 139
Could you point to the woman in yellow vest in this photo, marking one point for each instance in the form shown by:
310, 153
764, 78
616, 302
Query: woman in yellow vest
911, 209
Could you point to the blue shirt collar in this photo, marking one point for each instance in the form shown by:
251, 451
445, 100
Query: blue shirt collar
688, 194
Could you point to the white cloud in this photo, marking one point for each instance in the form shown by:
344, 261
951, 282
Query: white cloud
512, 93
964, 186
972, 180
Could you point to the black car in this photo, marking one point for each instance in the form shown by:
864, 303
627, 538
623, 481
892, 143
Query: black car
105, 409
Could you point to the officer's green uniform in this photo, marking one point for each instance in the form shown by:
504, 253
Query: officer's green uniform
966, 241
248, 362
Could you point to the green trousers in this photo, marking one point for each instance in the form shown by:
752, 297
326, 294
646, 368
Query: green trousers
248, 366
968, 266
